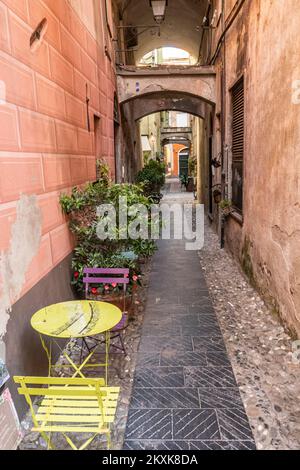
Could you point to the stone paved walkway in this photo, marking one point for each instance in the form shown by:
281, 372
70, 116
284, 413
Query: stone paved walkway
185, 395
263, 356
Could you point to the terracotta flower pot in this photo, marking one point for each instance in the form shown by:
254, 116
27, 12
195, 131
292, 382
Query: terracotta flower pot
217, 196
226, 211
190, 186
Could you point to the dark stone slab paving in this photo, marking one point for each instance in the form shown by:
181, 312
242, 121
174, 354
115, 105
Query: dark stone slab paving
185, 396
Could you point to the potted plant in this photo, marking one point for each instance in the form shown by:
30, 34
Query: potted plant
112, 293
152, 177
226, 207
184, 180
190, 185
216, 162
217, 193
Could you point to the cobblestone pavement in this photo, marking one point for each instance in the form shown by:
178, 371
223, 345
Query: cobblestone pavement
259, 350
185, 395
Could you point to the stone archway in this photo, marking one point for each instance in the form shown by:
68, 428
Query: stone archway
138, 82
167, 101
143, 91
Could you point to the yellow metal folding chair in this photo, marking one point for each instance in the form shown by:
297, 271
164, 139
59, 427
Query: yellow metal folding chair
70, 405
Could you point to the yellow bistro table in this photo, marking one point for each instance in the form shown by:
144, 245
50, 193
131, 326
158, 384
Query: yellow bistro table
76, 319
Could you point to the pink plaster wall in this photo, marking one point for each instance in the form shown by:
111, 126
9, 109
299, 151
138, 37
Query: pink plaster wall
263, 45
45, 147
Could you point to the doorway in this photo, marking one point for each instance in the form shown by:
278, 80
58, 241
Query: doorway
183, 163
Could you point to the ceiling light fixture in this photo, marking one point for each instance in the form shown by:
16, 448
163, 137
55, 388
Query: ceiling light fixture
159, 9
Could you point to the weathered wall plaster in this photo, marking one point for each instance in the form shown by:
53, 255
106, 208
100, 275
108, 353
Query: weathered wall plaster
262, 47
24, 244
46, 146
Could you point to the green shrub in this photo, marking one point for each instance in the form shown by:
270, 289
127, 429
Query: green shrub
184, 180
81, 206
92, 194
152, 176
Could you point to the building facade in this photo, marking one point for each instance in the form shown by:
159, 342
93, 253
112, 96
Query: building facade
57, 75
256, 138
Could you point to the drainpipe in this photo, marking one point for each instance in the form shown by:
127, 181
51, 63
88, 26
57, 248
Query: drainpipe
223, 126
199, 144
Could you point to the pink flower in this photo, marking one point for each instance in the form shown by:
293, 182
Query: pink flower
126, 275
114, 284
134, 278
106, 287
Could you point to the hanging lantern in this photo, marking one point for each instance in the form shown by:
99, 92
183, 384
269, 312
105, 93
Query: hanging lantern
159, 9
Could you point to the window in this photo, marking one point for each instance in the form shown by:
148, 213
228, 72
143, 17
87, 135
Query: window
238, 132
182, 120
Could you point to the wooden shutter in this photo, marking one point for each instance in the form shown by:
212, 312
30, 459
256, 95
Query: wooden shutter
238, 134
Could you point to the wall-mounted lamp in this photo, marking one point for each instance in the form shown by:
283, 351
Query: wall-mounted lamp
159, 9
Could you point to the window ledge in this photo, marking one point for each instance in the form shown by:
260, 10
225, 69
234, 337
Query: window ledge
238, 217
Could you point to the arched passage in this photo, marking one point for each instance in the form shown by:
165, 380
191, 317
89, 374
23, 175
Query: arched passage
145, 91
184, 99
148, 89
135, 82
167, 101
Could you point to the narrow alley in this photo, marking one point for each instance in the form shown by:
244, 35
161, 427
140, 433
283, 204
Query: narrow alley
185, 395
